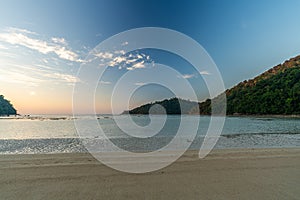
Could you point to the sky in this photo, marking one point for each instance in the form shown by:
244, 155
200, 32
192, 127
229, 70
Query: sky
43, 44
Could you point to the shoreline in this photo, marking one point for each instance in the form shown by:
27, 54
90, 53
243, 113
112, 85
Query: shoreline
70, 117
266, 116
189, 153
214, 150
223, 174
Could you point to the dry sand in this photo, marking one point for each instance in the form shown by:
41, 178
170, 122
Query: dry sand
224, 174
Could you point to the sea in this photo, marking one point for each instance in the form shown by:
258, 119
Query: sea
46, 134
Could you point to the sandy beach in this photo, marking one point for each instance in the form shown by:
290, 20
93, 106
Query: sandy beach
224, 174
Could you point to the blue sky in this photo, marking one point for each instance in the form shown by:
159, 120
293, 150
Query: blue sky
43, 43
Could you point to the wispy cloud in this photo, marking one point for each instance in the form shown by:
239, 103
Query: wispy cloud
25, 38
34, 75
20, 30
122, 52
138, 65
118, 58
12, 76
129, 61
104, 55
188, 76
205, 73
67, 78
59, 40
139, 83
3, 47
105, 82
117, 61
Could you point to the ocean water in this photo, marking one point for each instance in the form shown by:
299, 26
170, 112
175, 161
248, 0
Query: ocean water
58, 134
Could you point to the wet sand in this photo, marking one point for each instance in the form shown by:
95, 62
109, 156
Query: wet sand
223, 174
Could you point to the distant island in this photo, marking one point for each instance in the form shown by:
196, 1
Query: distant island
274, 92
6, 108
171, 106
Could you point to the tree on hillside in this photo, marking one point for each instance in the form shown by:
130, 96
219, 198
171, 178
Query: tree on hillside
6, 108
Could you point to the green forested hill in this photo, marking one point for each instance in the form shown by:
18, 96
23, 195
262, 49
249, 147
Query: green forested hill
274, 92
6, 108
171, 106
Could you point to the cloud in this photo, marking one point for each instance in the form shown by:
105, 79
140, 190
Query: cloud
205, 73
8, 76
139, 83
3, 47
104, 55
34, 75
120, 52
45, 61
43, 67
40, 69
138, 65
117, 60
120, 59
59, 40
188, 76
129, 61
67, 78
14, 29
20, 37
105, 82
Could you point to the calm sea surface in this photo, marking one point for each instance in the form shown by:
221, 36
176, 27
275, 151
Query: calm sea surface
48, 134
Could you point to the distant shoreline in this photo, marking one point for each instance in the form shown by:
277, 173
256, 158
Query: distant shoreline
235, 115
64, 117
36, 117
265, 116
